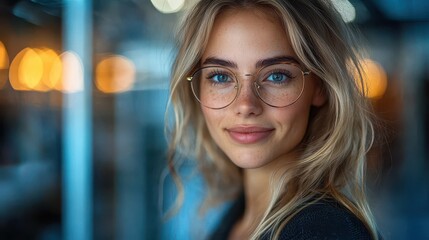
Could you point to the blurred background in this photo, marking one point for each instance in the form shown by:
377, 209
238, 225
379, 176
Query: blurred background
83, 90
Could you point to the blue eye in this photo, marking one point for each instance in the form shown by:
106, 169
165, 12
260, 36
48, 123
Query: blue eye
221, 78
277, 77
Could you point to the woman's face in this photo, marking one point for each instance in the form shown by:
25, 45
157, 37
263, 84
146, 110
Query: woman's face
251, 133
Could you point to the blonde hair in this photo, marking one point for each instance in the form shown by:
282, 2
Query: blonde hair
339, 135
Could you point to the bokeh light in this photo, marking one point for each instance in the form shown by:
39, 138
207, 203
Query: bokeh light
346, 10
375, 79
49, 58
4, 58
115, 74
72, 73
55, 78
26, 70
30, 70
168, 6
38, 69
4, 65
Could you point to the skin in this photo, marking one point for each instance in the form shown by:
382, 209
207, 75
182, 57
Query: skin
244, 37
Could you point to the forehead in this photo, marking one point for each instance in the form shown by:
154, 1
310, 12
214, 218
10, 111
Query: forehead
247, 35
267, 14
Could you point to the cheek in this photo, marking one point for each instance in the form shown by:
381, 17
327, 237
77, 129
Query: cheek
211, 118
293, 120
206, 115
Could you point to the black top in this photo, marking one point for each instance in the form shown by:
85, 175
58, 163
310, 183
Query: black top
325, 219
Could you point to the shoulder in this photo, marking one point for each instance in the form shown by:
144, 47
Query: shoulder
325, 219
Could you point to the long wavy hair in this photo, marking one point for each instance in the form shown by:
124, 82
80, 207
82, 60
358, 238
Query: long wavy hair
339, 135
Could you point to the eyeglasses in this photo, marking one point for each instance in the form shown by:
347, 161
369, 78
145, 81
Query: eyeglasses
278, 85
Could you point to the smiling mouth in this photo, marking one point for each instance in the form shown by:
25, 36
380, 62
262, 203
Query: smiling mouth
249, 135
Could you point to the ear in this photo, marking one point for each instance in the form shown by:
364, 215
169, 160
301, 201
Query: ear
319, 94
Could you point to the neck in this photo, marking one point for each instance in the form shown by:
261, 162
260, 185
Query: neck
257, 193
257, 196
257, 189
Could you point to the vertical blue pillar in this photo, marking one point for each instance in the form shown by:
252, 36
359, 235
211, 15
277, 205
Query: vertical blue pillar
77, 127
130, 163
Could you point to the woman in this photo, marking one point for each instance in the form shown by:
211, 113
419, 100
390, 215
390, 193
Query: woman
266, 100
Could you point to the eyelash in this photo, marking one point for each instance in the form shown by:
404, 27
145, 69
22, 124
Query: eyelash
280, 71
214, 73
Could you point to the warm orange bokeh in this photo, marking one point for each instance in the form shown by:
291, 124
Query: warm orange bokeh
4, 65
115, 74
26, 70
375, 79
4, 57
50, 62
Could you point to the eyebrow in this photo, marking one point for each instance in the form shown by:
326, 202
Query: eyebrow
275, 60
218, 61
261, 63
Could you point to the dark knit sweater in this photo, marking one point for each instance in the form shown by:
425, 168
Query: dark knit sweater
325, 219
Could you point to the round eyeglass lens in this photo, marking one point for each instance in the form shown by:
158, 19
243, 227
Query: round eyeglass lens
280, 85
214, 87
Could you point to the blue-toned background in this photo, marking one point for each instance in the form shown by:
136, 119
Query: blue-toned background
83, 91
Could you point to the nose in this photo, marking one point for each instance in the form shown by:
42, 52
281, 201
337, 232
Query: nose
247, 102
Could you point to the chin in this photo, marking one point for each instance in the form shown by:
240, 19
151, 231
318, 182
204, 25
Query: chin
249, 162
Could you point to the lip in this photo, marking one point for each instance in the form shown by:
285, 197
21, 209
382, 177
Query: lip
249, 134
